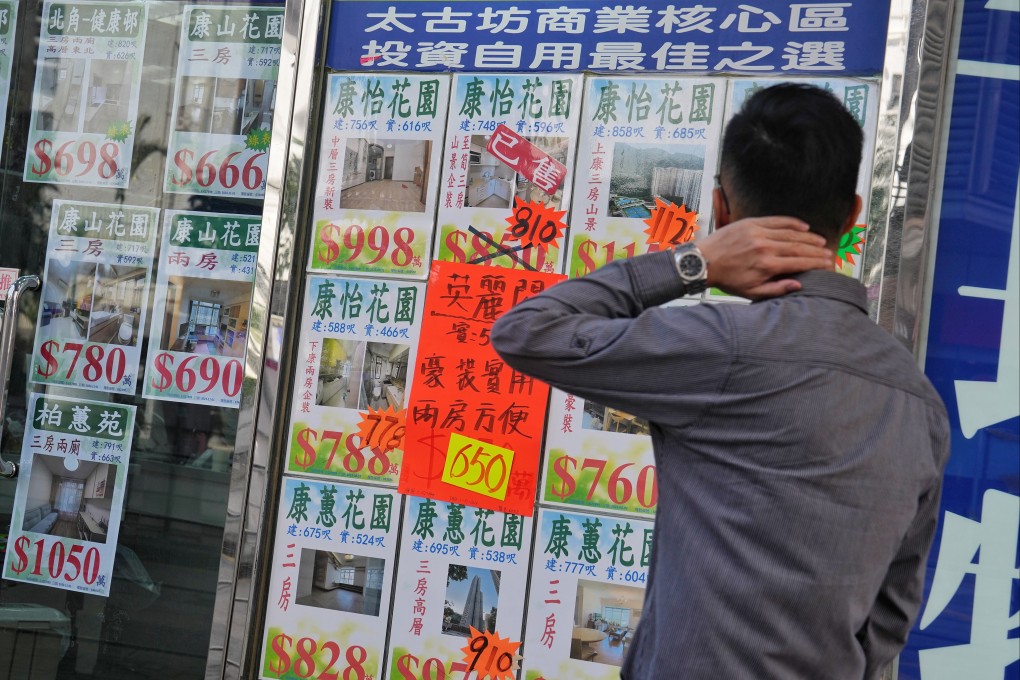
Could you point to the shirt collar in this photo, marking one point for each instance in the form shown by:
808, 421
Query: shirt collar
828, 284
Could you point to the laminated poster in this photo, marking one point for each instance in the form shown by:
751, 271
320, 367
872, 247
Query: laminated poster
509, 142
357, 353
94, 296
8, 25
474, 425
375, 192
860, 97
202, 303
460, 567
587, 595
223, 103
330, 587
649, 148
85, 99
8, 275
67, 508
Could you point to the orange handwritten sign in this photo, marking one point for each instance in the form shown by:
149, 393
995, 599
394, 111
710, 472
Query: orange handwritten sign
382, 429
670, 225
491, 656
535, 224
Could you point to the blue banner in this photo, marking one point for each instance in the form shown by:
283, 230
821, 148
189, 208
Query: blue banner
968, 624
845, 38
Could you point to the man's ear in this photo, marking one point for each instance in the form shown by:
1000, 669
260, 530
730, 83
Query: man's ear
851, 219
722, 215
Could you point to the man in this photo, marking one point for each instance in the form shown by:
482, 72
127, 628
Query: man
799, 450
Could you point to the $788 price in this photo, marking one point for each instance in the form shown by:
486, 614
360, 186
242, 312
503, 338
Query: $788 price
353, 461
354, 240
186, 379
619, 484
229, 173
61, 563
310, 654
76, 155
110, 366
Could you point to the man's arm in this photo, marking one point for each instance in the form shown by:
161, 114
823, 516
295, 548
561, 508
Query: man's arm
604, 337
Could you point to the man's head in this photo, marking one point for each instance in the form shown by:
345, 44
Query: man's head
792, 150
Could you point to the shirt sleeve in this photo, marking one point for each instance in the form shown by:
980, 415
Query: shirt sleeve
604, 337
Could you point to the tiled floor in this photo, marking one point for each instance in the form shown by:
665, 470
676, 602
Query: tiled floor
383, 194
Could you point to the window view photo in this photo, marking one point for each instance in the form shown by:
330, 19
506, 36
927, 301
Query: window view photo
644, 172
605, 618
205, 316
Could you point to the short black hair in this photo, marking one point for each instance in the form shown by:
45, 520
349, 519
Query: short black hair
793, 149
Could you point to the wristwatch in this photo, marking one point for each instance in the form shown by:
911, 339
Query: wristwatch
692, 268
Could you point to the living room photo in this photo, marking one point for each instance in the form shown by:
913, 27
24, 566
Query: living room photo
205, 317
69, 497
605, 617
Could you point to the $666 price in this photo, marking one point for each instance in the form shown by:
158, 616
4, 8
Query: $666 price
309, 654
619, 485
61, 563
227, 172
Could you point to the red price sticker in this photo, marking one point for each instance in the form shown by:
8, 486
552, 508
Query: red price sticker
367, 245
196, 375
491, 656
288, 657
619, 485
478, 466
671, 225
227, 172
382, 429
334, 452
57, 561
75, 158
535, 224
97, 364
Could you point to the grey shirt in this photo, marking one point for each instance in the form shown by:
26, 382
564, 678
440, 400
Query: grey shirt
799, 453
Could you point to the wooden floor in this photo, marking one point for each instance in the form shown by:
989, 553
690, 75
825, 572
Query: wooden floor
385, 194
64, 528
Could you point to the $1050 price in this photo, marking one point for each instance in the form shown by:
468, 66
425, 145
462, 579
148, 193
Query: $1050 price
620, 483
226, 172
208, 376
353, 459
96, 362
58, 562
75, 158
307, 655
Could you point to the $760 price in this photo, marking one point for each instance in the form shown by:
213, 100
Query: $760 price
186, 379
229, 173
61, 563
619, 484
99, 364
310, 654
68, 158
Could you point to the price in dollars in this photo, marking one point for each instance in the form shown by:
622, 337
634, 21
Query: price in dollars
310, 658
180, 374
593, 481
336, 452
218, 171
73, 362
339, 246
77, 158
73, 564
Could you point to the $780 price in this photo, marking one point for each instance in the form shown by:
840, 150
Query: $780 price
310, 654
354, 239
186, 379
69, 159
61, 563
99, 364
619, 484
353, 461
229, 173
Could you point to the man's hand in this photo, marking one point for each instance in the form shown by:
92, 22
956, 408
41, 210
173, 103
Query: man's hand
748, 257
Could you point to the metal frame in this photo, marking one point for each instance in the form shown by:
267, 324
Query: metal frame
8, 327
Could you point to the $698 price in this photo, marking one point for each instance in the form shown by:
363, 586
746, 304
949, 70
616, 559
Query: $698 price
307, 655
60, 563
209, 374
619, 483
98, 362
77, 161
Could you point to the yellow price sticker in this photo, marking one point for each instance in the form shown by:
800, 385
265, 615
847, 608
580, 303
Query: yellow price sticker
478, 466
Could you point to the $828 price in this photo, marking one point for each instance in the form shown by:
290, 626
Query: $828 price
620, 485
97, 363
60, 563
205, 172
209, 374
355, 240
306, 656
353, 460
77, 157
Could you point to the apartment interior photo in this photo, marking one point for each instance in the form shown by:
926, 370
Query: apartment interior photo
340, 581
78, 95
225, 106
69, 497
385, 174
385, 376
67, 299
205, 316
605, 617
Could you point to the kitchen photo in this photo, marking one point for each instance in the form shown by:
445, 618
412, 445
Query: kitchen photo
117, 304
67, 300
206, 316
385, 375
69, 497
340, 364
385, 174
491, 183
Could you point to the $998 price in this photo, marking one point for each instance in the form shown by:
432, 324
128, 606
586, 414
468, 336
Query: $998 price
374, 243
302, 658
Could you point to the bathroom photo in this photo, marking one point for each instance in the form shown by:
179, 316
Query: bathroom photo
385, 376
340, 364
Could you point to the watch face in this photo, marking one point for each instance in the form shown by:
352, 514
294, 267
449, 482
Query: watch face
690, 265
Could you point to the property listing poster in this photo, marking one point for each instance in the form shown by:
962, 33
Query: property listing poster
474, 425
222, 118
509, 140
460, 567
8, 25
330, 587
85, 99
94, 296
202, 302
70, 495
375, 192
860, 97
357, 353
8, 275
587, 594
646, 143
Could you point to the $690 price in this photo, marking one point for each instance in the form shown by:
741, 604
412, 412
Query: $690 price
307, 654
210, 375
60, 563
619, 483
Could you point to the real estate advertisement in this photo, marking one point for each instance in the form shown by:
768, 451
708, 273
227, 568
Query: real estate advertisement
330, 587
375, 193
357, 353
85, 99
222, 119
648, 150
202, 303
460, 568
67, 508
586, 596
509, 143
8, 25
95, 296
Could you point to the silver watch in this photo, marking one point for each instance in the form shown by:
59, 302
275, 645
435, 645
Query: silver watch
692, 268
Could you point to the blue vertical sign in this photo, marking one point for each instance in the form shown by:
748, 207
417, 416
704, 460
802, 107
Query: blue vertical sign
968, 627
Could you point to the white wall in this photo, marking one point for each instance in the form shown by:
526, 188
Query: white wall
407, 157
40, 483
